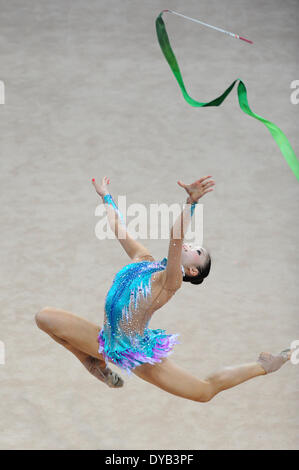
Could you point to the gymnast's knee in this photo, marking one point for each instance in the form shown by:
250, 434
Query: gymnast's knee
204, 398
206, 395
43, 319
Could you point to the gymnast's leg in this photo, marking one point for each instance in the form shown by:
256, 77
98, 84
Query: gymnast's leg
175, 380
79, 336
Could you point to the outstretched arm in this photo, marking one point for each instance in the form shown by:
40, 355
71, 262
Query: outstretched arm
195, 191
133, 248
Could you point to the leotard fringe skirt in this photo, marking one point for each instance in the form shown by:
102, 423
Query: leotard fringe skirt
150, 348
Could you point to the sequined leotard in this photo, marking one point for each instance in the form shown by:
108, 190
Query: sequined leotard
125, 338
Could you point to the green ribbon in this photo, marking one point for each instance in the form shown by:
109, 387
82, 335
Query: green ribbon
277, 133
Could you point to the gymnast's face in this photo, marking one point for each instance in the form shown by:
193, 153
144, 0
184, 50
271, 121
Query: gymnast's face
193, 256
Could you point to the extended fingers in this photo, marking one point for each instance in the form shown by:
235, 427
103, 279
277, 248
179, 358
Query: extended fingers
105, 180
204, 178
208, 184
183, 185
100, 187
207, 191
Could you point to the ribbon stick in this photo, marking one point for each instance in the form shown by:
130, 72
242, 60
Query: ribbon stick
236, 36
276, 133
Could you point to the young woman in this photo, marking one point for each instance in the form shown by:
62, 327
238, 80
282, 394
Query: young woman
138, 290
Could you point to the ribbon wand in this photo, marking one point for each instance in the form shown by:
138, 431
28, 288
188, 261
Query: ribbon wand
236, 36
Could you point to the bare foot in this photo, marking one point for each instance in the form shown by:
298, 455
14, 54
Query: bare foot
104, 374
271, 363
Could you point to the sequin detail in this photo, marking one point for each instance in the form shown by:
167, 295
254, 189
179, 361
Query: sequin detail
119, 340
193, 205
109, 200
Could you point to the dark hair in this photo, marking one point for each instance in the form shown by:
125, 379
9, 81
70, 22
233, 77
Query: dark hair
202, 273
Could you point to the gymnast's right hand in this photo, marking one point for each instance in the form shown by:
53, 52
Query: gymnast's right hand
102, 188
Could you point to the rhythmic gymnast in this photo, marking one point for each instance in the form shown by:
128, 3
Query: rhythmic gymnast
139, 289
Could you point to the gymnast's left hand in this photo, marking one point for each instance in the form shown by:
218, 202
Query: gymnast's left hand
102, 188
198, 189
